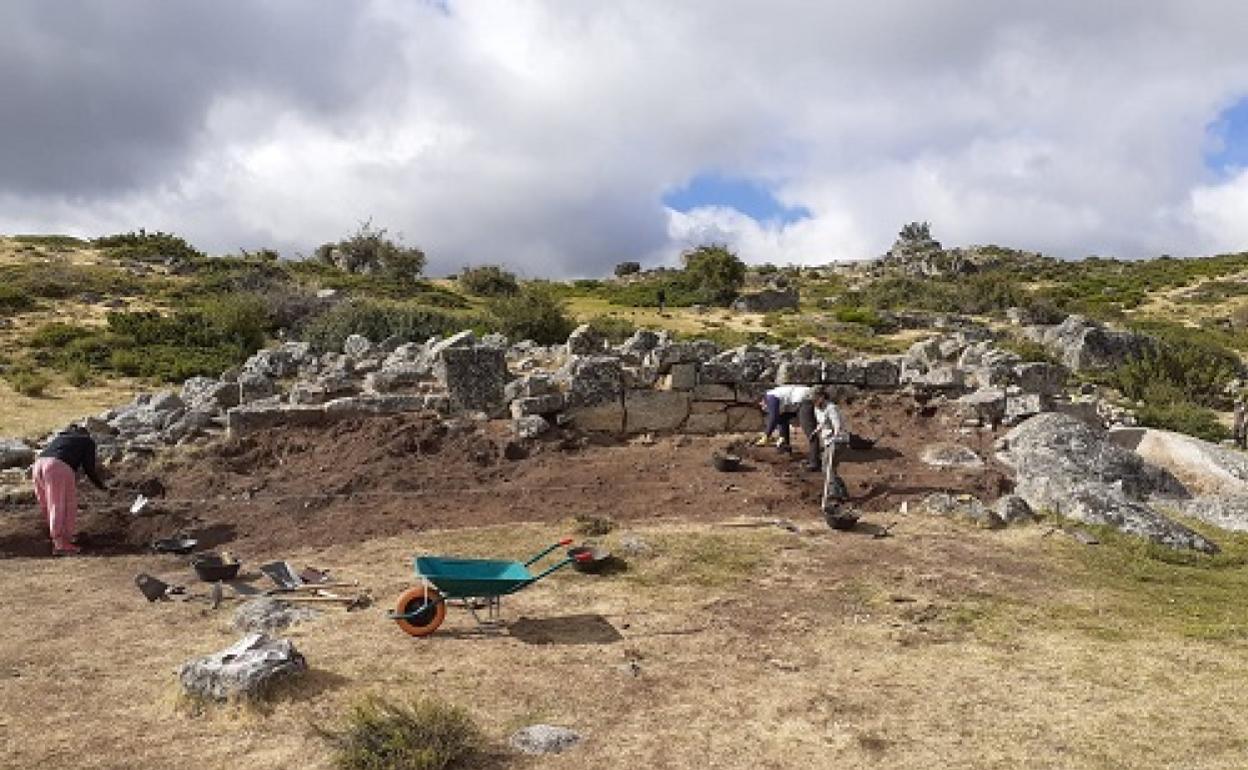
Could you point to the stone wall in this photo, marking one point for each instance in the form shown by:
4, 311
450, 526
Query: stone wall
650, 383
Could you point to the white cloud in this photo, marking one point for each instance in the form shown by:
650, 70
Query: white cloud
544, 134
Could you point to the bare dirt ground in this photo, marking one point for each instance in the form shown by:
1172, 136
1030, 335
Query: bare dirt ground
310, 487
734, 643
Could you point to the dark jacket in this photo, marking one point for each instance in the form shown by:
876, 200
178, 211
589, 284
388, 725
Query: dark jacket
77, 450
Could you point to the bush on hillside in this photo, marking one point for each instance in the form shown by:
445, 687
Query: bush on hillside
371, 251
242, 319
14, 300
1029, 350
378, 320
613, 328
535, 313
148, 247
173, 347
488, 281
1166, 407
715, 272
627, 268
1189, 363
53, 242
27, 381
61, 280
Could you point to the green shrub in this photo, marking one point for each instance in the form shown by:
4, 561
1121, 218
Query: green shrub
1165, 408
58, 335
148, 247
27, 381
627, 268
1029, 350
1190, 362
990, 291
79, 374
371, 250
54, 242
416, 735
14, 300
716, 272
614, 328
535, 313
676, 288
488, 281
60, 280
240, 319
378, 320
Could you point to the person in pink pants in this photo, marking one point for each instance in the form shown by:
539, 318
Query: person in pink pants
56, 484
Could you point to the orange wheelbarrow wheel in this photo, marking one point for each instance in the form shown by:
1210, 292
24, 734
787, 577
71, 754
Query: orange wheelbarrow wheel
425, 610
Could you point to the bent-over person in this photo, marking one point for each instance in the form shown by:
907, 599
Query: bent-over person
56, 484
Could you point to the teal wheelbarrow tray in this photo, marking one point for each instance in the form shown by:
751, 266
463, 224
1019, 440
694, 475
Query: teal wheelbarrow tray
474, 584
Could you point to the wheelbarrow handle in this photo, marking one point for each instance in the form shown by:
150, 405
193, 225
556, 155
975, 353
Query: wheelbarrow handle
556, 566
561, 544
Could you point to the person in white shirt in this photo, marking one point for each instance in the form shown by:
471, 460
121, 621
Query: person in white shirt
782, 404
833, 434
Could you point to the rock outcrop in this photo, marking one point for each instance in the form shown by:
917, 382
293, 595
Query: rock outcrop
1065, 466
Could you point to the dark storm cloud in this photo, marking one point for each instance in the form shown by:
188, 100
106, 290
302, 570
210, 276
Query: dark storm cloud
104, 97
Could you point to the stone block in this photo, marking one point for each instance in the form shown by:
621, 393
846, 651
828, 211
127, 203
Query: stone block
707, 423
605, 417
682, 377
655, 410
714, 392
473, 377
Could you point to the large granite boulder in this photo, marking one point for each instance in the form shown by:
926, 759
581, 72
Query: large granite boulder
1066, 466
1086, 345
766, 301
1217, 476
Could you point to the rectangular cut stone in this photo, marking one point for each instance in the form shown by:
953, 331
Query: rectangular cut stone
714, 422
710, 392
655, 410
683, 377
606, 417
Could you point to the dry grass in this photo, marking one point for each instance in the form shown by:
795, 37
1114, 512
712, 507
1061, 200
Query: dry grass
22, 416
815, 650
681, 320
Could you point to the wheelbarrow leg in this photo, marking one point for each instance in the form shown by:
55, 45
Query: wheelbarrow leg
493, 621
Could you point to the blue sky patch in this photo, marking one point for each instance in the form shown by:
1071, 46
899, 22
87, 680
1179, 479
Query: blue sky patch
747, 196
1230, 130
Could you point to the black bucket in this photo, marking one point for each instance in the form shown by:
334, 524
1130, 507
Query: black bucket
212, 568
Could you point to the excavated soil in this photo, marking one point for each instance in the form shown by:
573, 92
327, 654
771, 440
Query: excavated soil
308, 487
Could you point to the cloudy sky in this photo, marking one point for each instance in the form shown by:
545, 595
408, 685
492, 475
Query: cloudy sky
563, 137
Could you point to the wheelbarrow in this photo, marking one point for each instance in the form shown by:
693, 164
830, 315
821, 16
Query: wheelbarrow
474, 584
